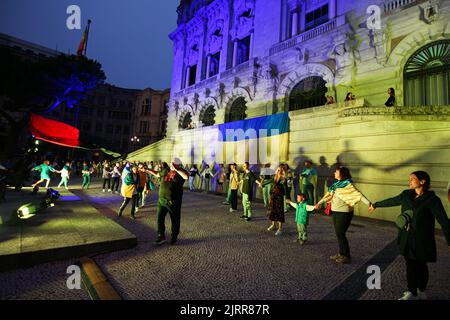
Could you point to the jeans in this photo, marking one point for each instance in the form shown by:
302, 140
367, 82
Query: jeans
64, 181
191, 183
86, 181
115, 184
341, 222
107, 181
246, 203
126, 201
302, 232
233, 198
267, 189
174, 211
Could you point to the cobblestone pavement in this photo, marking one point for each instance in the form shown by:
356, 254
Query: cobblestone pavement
220, 256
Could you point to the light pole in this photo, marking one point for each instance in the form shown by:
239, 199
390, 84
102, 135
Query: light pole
134, 140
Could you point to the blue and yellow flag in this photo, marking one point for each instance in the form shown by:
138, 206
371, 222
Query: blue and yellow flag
258, 141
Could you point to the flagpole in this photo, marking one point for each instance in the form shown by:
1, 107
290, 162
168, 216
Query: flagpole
87, 36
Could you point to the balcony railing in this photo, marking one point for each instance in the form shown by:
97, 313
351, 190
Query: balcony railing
308, 35
194, 87
397, 4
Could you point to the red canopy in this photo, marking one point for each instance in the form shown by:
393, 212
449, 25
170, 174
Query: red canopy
54, 131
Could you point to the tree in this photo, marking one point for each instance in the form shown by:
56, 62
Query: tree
36, 87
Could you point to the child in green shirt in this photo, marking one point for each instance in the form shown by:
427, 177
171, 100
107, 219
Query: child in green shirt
301, 216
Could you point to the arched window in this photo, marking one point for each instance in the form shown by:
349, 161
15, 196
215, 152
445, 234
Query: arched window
237, 110
427, 75
208, 117
310, 92
186, 123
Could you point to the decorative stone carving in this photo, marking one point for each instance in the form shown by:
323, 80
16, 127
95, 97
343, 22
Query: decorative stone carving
216, 38
434, 111
429, 12
302, 55
245, 17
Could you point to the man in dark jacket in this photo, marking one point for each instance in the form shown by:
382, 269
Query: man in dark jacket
416, 237
169, 199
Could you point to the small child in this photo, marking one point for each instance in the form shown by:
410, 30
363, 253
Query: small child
301, 216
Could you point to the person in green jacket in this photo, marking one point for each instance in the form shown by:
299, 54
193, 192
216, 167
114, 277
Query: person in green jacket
416, 235
45, 170
301, 216
248, 181
87, 171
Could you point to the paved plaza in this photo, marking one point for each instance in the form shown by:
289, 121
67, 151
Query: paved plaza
219, 256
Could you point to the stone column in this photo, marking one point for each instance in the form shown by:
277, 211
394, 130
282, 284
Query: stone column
252, 43
208, 66
303, 18
331, 9
188, 71
294, 23
235, 52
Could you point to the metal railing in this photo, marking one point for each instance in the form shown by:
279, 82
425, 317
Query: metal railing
397, 4
308, 35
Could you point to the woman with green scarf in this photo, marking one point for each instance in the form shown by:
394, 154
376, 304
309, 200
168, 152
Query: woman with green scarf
342, 196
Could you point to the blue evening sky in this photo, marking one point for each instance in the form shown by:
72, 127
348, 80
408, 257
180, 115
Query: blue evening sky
128, 37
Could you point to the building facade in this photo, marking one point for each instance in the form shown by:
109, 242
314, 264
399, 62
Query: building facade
236, 59
241, 59
150, 117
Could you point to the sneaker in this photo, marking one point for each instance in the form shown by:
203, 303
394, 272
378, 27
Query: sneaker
160, 240
335, 256
109, 190
226, 203
421, 295
103, 190
173, 240
302, 242
248, 219
407, 295
296, 240
232, 210
278, 232
272, 227
243, 217
342, 260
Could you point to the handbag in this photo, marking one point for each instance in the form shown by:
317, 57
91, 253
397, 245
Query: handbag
328, 208
403, 221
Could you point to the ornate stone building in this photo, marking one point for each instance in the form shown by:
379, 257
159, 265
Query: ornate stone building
241, 59
236, 59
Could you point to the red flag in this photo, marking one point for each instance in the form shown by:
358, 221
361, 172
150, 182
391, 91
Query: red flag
54, 131
84, 39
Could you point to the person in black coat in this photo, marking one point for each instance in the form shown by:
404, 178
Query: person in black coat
416, 237
391, 100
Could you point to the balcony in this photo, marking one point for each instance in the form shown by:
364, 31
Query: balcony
308, 35
196, 86
394, 5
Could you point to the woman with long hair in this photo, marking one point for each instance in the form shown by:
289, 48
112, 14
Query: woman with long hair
391, 100
420, 207
342, 196
276, 202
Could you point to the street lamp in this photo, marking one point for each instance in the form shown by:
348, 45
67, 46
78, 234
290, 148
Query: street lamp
135, 140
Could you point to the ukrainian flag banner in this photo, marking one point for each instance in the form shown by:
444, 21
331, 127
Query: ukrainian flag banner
258, 141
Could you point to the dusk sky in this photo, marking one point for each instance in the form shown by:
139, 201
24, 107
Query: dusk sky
129, 38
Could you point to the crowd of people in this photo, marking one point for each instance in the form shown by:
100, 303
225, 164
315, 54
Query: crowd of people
281, 188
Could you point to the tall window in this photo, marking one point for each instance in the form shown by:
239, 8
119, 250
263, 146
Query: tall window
208, 116
214, 65
308, 93
146, 107
316, 17
243, 50
427, 75
186, 123
237, 110
192, 75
